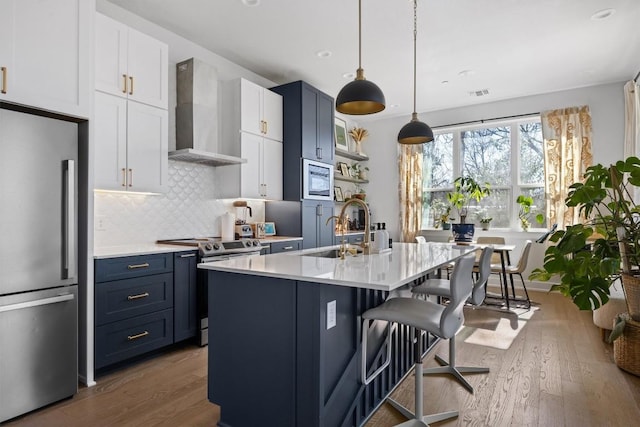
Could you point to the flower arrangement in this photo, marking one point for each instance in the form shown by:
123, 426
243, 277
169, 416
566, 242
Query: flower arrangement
358, 135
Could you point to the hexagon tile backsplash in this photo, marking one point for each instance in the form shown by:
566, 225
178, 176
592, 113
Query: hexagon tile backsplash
188, 209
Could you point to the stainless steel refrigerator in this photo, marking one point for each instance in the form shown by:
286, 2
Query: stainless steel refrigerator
38, 269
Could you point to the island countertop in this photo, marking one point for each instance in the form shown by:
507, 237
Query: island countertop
384, 271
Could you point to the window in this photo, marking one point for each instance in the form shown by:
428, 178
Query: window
508, 155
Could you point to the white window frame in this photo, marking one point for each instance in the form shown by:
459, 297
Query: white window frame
516, 186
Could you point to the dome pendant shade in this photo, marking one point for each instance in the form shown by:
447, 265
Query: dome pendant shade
360, 97
415, 132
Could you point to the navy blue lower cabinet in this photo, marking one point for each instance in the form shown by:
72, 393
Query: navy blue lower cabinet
185, 314
271, 356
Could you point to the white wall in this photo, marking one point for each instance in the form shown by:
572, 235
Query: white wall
606, 103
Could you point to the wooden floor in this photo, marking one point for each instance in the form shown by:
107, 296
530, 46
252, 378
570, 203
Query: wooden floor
549, 367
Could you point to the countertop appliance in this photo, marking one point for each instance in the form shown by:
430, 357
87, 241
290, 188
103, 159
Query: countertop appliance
38, 254
212, 249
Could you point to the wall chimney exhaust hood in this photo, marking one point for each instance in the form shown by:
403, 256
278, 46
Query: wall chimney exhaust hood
197, 115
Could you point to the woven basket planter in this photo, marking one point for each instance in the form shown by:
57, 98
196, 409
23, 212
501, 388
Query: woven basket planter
626, 349
631, 285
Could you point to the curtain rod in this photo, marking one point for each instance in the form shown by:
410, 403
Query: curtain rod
486, 120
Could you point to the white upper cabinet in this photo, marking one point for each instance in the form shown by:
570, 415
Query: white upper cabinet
251, 129
261, 176
130, 114
130, 64
45, 48
131, 142
260, 111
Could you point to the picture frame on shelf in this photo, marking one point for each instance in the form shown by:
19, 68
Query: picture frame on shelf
340, 132
337, 194
344, 169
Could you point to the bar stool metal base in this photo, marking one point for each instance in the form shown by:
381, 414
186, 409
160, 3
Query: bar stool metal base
456, 371
419, 420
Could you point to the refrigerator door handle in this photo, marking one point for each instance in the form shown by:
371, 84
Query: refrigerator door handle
29, 304
70, 221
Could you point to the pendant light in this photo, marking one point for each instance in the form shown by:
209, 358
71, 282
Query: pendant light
360, 96
415, 132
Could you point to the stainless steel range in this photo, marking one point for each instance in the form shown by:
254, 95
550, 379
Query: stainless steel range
213, 249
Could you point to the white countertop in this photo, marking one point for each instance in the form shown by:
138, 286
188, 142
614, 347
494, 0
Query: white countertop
137, 249
385, 271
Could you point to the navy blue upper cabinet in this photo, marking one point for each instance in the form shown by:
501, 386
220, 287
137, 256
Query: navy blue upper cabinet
307, 121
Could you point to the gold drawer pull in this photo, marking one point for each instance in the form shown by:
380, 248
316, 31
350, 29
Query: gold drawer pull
131, 87
288, 248
132, 297
134, 266
124, 83
136, 336
3, 89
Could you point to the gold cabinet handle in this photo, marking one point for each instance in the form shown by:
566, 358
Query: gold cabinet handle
124, 83
131, 86
3, 89
287, 248
134, 266
266, 127
130, 177
136, 336
124, 177
134, 297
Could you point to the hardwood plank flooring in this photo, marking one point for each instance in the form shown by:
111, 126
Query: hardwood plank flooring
549, 367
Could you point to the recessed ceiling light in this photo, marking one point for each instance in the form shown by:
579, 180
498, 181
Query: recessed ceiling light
466, 73
251, 3
602, 14
394, 106
349, 75
323, 53
445, 82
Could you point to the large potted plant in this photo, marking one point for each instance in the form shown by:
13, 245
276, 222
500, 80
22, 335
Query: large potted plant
466, 189
589, 257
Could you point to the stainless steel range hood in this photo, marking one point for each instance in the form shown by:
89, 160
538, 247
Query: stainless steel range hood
197, 115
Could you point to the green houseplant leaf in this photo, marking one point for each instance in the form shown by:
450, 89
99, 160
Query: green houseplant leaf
587, 257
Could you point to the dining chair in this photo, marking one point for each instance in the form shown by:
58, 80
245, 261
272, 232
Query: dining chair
442, 288
440, 320
421, 239
517, 269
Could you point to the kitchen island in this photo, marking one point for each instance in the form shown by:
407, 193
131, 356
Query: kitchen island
285, 330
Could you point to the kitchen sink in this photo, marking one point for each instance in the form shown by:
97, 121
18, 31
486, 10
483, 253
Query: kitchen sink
331, 253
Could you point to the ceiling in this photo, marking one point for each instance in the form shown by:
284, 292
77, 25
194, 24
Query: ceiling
511, 48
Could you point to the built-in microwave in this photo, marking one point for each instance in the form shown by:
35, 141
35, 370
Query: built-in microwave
317, 180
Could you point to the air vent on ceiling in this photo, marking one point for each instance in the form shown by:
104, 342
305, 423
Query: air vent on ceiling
481, 92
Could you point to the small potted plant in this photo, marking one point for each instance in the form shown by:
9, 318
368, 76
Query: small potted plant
485, 221
466, 189
524, 211
360, 193
358, 171
441, 211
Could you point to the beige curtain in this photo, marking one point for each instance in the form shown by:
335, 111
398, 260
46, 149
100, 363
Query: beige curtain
567, 154
410, 168
632, 125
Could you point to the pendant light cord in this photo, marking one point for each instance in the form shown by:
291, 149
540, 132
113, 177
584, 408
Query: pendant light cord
359, 34
415, 36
